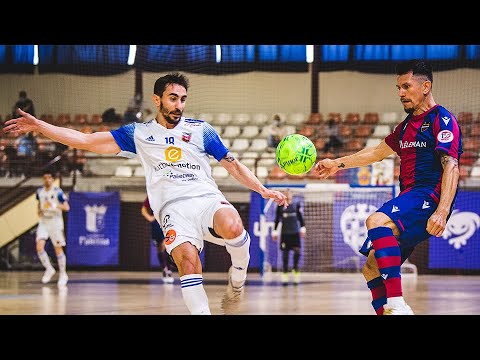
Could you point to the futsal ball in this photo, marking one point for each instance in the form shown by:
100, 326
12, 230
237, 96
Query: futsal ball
296, 154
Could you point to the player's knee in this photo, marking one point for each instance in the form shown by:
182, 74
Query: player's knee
375, 220
232, 228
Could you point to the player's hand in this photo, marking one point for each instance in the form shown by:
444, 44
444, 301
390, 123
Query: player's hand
303, 232
325, 168
277, 196
22, 125
436, 223
275, 235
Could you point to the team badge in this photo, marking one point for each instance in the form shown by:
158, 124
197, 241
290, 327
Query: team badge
425, 126
186, 137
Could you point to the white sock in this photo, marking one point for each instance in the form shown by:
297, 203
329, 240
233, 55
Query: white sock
45, 260
194, 294
239, 250
62, 263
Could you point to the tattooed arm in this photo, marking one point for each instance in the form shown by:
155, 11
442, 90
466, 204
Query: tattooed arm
438, 221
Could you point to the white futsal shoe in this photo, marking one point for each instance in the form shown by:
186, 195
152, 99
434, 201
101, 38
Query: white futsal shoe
403, 309
62, 280
233, 295
47, 275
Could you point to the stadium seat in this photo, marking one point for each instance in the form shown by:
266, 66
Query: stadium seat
266, 162
231, 131
381, 131
296, 118
139, 171
258, 145
222, 119
261, 172
123, 171
219, 172
314, 119
240, 145
241, 119
259, 119
276, 173
208, 117
250, 131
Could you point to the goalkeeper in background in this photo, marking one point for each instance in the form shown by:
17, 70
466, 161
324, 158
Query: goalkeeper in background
292, 232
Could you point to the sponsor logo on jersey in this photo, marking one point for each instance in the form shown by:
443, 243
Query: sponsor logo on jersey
150, 138
414, 144
445, 136
446, 119
425, 205
170, 236
173, 154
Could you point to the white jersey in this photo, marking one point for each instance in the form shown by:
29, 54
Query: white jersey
49, 200
176, 161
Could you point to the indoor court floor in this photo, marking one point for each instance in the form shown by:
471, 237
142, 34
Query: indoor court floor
144, 293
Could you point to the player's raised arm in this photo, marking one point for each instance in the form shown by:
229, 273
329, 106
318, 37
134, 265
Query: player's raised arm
100, 142
328, 167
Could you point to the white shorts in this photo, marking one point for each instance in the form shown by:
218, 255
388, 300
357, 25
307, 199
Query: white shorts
191, 220
53, 229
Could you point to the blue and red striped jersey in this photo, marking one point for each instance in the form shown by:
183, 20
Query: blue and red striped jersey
419, 140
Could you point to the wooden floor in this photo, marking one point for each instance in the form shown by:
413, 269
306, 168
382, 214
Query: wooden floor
144, 293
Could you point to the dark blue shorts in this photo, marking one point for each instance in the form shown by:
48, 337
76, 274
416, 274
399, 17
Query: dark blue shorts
157, 233
410, 211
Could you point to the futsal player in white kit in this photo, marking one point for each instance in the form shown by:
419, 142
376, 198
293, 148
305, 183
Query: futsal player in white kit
51, 204
175, 153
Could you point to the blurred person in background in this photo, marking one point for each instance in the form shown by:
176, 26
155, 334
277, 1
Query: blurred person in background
291, 233
156, 234
24, 103
51, 205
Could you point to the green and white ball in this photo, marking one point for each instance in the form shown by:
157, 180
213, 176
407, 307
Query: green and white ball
296, 154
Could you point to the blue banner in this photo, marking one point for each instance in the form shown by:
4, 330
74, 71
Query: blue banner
459, 245
350, 211
93, 228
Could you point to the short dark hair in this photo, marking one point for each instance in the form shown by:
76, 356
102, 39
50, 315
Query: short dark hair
417, 67
22, 93
48, 172
171, 78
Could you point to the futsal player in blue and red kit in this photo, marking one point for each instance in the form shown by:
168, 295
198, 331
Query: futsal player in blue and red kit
429, 144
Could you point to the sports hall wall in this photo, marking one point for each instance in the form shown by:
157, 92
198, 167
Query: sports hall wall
252, 92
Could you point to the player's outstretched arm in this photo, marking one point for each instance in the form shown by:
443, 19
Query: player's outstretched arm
100, 142
328, 167
247, 178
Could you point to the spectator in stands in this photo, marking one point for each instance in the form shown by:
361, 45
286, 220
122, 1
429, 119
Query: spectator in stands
429, 144
27, 147
277, 132
174, 152
23, 103
156, 234
334, 142
51, 205
292, 232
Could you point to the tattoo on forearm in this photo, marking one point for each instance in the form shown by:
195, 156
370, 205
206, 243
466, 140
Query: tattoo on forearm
341, 165
446, 159
229, 157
